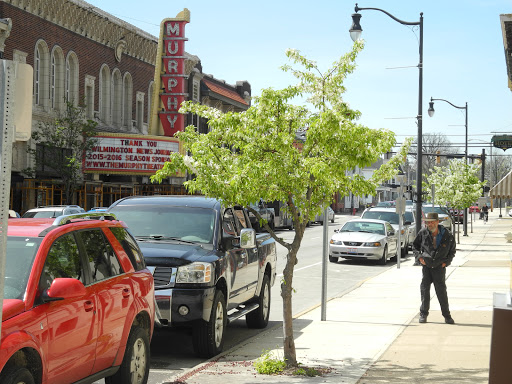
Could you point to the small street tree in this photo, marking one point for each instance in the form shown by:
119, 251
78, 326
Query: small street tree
60, 145
254, 155
456, 184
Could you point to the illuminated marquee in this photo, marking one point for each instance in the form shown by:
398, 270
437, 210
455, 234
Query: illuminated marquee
170, 76
129, 154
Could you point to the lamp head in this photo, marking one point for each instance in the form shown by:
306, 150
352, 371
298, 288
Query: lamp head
355, 30
431, 109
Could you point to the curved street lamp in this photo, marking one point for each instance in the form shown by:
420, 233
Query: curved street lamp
431, 112
355, 34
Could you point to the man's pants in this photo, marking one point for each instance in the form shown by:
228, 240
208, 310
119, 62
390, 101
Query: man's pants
436, 276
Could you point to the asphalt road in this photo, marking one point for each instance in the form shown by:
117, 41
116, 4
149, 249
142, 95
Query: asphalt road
171, 351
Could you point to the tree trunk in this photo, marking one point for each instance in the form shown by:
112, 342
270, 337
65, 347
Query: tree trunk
286, 293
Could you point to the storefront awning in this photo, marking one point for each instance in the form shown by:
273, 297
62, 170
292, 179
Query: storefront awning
503, 189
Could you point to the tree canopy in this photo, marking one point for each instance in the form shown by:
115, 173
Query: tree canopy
256, 154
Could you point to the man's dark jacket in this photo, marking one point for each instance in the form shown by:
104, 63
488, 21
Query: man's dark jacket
423, 246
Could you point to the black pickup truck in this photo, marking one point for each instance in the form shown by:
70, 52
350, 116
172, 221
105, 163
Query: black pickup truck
208, 264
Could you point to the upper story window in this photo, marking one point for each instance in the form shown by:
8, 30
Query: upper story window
57, 79
104, 94
117, 98
71, 90
127, 101
41, 68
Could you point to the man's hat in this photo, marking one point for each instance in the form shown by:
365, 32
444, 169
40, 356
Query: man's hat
431, 216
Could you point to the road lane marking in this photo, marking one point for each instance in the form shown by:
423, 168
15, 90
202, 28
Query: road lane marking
298, 269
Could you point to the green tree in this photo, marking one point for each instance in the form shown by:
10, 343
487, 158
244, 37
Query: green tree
60, 146
254, 154
457, 184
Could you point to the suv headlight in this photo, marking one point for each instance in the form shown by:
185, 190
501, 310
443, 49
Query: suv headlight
194, 273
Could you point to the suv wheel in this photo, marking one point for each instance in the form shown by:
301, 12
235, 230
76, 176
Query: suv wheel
208, 337
17, 375
135, 366
259, 317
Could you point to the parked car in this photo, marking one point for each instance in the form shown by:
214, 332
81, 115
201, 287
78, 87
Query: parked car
390, 215
206, 261
410, 217
364, 239
330, 216
52, 211
78, 303
386, 204
98, 209
457, 215
474, 208
444, 216
265, 212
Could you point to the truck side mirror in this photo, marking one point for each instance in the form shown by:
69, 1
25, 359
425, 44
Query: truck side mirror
248, 238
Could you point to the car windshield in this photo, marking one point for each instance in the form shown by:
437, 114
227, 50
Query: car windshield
440, 210
363, 226
21, 252
43, 214
392, 217
167, 222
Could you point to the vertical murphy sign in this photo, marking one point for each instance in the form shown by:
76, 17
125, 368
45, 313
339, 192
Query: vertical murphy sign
169, 88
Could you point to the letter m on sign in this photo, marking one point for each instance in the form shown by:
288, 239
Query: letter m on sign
172, 29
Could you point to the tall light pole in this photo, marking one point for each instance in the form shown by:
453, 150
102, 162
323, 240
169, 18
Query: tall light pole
355, 34
431, 113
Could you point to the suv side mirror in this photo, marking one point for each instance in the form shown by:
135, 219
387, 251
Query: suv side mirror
64, 288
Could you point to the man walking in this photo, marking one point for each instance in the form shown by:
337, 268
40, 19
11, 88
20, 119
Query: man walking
434, 248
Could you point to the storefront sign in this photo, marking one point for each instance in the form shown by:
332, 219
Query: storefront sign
129, 154
171, 81
502, 141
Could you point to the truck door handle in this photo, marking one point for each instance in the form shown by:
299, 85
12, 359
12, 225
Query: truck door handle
89, 306
126, 292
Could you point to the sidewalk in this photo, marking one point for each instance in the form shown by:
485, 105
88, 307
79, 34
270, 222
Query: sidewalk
372, 334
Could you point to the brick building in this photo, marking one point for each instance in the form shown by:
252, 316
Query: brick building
80, 53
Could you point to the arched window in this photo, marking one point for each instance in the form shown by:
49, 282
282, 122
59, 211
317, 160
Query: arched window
41, 68
117, 98
150, 99
57, 79
104, 94
127, 101
71, 93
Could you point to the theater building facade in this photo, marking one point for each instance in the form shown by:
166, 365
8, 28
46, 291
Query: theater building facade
131, 84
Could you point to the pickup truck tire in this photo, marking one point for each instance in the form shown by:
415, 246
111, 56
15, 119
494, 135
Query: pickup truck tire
17, 375
259, 317
208, 337
135, 366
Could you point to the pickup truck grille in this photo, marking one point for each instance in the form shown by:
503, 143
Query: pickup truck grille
164, 276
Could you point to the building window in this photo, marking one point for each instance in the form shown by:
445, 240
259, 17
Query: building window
104, 94
41, 67
117, 98
127, 101
139, 111
150, 99
57, 79
71, 93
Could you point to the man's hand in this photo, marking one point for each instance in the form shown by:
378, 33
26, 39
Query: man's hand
443, 265
422, 261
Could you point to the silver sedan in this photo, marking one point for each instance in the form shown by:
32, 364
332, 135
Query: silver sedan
364, 239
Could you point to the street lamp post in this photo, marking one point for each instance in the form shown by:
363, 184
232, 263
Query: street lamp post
355, 34
431, 113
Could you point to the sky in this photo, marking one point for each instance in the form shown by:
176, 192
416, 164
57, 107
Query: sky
463, 55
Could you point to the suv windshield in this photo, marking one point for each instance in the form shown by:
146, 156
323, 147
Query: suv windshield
392, 217
167, 222
20, 256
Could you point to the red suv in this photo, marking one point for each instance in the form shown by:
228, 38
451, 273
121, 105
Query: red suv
78, 302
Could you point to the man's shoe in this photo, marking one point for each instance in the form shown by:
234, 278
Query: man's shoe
449, 320
423, 319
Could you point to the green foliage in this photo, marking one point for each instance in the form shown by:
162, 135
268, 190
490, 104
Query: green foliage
456, 184
60, 146
268, 364
254, 154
